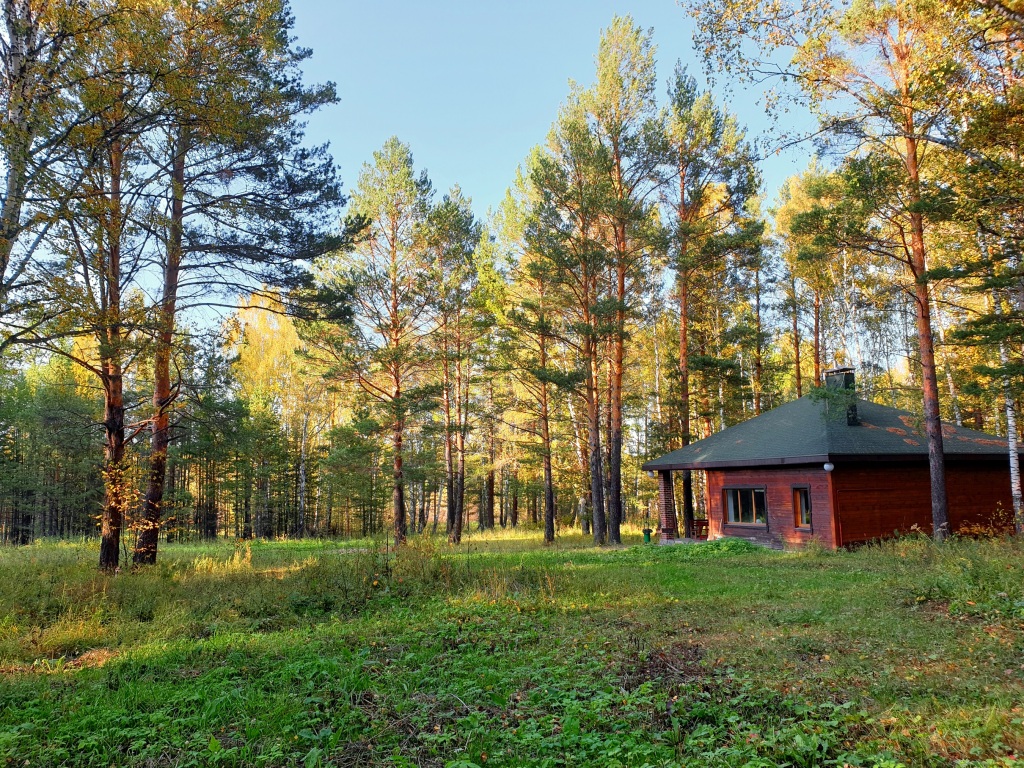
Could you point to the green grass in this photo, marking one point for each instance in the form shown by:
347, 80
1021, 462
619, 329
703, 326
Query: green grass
505, 652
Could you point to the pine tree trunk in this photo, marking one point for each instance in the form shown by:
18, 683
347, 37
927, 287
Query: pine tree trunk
397, 476
172, 519
615, 507
758, 375
263, 529
163, 396
513, 512
421, 523
247, 502
487, 518
459, 488
300, 528
796, 338
549, 485
118, 495
926, 345
594, 446
817, 338
684, 396
449, 437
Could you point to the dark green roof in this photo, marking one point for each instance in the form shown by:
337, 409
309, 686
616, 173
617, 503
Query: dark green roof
809, 431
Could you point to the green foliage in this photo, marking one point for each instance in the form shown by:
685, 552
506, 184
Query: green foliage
49, 476
972, 577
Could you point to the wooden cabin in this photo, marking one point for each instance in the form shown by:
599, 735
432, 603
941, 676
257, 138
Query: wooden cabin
838, 470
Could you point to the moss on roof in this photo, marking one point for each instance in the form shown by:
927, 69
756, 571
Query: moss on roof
810, 430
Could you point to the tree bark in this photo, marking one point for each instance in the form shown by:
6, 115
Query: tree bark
796, 338
449, 437
817, 337
398, 480
615, 508
1011, 438
117, 494
163, 394
513, 511
758, 375
24, 75
683, 282
545, 436
247, 502
300, 527
461, 408
926, 345
488, 510
598, 517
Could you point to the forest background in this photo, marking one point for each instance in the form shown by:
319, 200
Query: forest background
399, 363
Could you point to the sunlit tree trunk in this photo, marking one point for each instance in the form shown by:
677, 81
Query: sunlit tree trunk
545, 435
163, 394
593, 386
817, 337
118, 493
796, 337
925, 340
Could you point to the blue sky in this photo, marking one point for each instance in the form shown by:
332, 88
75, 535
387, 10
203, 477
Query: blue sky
471, 86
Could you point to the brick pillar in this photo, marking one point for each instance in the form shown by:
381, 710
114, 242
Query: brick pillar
669, 526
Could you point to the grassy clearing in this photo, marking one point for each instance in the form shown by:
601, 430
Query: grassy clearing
508, 653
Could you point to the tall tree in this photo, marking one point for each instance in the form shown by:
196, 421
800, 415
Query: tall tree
626, 123
530, 318
711, 176
104, 247
572, 185
388, 275
452, 234
244, 202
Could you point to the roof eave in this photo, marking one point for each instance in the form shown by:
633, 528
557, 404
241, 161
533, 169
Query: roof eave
653, 466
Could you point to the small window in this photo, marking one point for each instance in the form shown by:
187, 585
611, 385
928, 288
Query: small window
746, 506
802, 507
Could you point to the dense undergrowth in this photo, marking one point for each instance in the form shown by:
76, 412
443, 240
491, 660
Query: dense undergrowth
508, 653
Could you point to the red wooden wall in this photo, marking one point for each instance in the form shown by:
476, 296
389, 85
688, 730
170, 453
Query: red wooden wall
781, 529
875, 500
871, 500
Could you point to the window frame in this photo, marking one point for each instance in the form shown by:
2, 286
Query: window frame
797, 524
752, 488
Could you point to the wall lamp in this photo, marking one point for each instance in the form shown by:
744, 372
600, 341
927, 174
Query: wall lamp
829, 466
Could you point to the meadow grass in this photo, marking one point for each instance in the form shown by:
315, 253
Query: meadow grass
506, 652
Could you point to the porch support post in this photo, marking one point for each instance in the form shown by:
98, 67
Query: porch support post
667, 508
